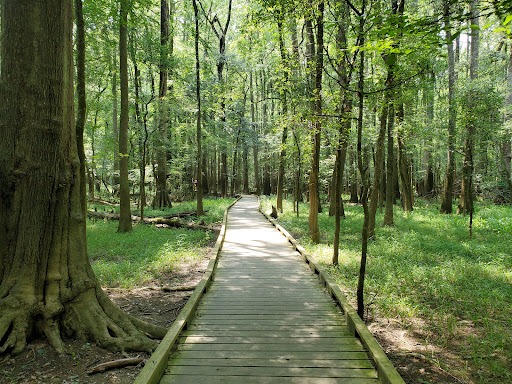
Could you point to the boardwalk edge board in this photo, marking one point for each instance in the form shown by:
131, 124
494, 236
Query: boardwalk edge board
387, 373
157, 363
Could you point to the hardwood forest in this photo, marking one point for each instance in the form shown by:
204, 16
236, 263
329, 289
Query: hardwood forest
370, 116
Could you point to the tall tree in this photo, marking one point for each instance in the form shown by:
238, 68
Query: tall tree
199, 208
162, 195
80, 90
221, 34
125, 218
466, 196
47, 283
446, 204
315, 63
344, 122
283, 90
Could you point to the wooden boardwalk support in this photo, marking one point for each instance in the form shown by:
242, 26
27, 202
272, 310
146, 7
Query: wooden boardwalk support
266, 319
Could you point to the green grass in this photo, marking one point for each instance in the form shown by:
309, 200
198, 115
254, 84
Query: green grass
428, 268
147, 253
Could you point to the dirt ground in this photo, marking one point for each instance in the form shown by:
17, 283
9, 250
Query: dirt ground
39, 364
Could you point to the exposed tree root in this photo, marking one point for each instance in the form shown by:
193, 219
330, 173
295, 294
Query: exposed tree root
90, 316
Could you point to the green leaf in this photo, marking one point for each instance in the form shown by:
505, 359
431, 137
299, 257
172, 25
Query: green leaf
508, 19
455, 35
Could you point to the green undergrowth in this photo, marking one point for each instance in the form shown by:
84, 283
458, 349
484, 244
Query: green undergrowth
427, 272
148, 253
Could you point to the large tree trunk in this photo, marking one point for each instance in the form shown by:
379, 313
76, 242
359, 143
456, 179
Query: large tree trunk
446, 204
125, 220
161, 199
47, 283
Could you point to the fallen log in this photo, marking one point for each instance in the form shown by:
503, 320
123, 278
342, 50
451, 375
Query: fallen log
115, 364
181, 214
172, 222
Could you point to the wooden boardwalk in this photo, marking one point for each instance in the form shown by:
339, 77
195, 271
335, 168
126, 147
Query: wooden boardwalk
266, 318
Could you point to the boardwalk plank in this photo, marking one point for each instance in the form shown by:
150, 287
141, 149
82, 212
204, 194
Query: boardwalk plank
288, 347
273, 333
285, 357
273, 371
265, 318
180, 379
241, 362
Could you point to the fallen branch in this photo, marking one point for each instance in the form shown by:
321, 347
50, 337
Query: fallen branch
115, 364
165, 288
171, 222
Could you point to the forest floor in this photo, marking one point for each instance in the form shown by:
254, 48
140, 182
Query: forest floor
40, 364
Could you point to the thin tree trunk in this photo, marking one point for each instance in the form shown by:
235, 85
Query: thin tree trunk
390, 167
199, 208
115, 129
506, 145
125, 220
345, 110
283, 94
257, 183
82, 103
161, 199
403, 164
378, 168
466, 198
315, 61
446, 204
363, 170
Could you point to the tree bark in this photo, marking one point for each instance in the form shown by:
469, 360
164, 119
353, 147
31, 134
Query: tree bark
125, 221
47, 283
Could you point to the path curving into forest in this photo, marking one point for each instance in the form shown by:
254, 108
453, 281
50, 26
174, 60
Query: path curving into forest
266, 318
